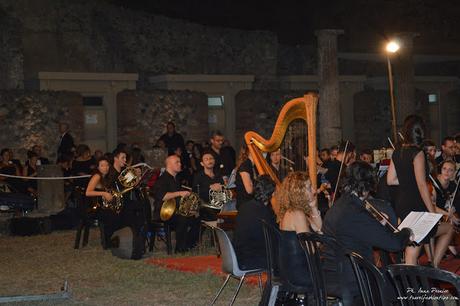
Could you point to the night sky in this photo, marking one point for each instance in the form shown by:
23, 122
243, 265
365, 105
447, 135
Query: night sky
295, 21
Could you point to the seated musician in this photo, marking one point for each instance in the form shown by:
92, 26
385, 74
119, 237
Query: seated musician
248, 238
168, 187
274, 160
135, 211
443, 192
206, 180
97, 188
356, 230
298, 214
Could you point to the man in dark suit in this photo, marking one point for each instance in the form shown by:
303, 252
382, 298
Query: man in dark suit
66, 145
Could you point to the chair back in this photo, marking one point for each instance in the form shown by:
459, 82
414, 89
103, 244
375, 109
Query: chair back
310, 243
372, 283
419, 285
271, 245
228, 255
271, 248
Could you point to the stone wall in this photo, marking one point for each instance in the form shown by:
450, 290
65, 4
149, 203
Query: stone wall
11, 53
94, 36
142, 115
298, 59
372, 116
31, 117
258, 111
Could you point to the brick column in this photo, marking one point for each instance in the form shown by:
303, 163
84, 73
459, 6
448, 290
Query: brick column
330, 130
404, 77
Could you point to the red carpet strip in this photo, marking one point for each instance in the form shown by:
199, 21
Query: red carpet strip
195, 264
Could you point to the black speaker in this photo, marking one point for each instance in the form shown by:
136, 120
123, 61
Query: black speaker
127, 244
27, 226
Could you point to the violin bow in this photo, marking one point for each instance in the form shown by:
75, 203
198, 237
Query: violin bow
340, 173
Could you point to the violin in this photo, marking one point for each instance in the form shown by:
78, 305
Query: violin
381, 218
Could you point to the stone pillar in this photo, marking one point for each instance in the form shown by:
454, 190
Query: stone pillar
404, 80
330, 130
349, 87
50, 192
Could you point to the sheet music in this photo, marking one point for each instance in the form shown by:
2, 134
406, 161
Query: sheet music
420, 223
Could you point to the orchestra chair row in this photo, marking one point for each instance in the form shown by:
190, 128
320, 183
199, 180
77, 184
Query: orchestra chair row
412, 285
230, 265
279, 280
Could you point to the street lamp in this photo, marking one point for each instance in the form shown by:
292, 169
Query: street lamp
391, 48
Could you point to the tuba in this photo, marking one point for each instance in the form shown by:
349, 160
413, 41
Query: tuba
129, 179
188, 206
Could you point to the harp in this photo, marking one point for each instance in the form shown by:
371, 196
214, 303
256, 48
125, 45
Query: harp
303, 108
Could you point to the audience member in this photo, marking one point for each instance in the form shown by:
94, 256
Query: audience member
38, 150
172, 139
66, 144
223, 156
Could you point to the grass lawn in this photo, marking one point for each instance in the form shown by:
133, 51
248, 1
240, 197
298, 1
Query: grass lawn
40, 265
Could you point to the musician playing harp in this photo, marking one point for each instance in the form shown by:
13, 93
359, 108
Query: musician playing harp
207, 180
169, 187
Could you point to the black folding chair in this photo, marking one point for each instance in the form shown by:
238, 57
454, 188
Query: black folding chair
312, 244
420, 285
374, 287
273, 283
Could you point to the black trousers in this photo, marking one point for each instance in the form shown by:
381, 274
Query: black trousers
187, 232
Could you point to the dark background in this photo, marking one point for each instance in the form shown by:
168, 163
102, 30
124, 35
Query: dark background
296, 21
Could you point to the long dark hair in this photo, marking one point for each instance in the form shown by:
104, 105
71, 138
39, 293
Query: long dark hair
414, 130
360, 178
104, 179
264, 187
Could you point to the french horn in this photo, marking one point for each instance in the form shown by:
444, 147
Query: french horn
217, 199
188, 206
128, 179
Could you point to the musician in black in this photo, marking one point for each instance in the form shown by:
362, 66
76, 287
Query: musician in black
135, 209
274, 160
356, 230
225, 160
207, 180
97, 191
168, 187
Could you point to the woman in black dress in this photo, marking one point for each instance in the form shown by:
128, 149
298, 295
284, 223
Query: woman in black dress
245, 176
408, 169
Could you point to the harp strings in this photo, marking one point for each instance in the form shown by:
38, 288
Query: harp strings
294, 148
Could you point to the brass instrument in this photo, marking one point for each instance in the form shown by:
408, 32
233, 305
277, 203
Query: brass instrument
300, 108
217, 199
117, 202
188, 207
129, 179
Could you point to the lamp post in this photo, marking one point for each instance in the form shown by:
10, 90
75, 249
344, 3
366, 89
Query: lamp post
392, 47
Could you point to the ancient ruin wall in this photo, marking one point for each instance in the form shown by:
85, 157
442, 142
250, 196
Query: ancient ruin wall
31, 117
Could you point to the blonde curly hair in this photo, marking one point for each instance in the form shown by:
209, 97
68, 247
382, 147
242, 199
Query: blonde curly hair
295, 193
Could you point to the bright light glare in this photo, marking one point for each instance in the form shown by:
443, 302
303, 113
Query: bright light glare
392, 47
